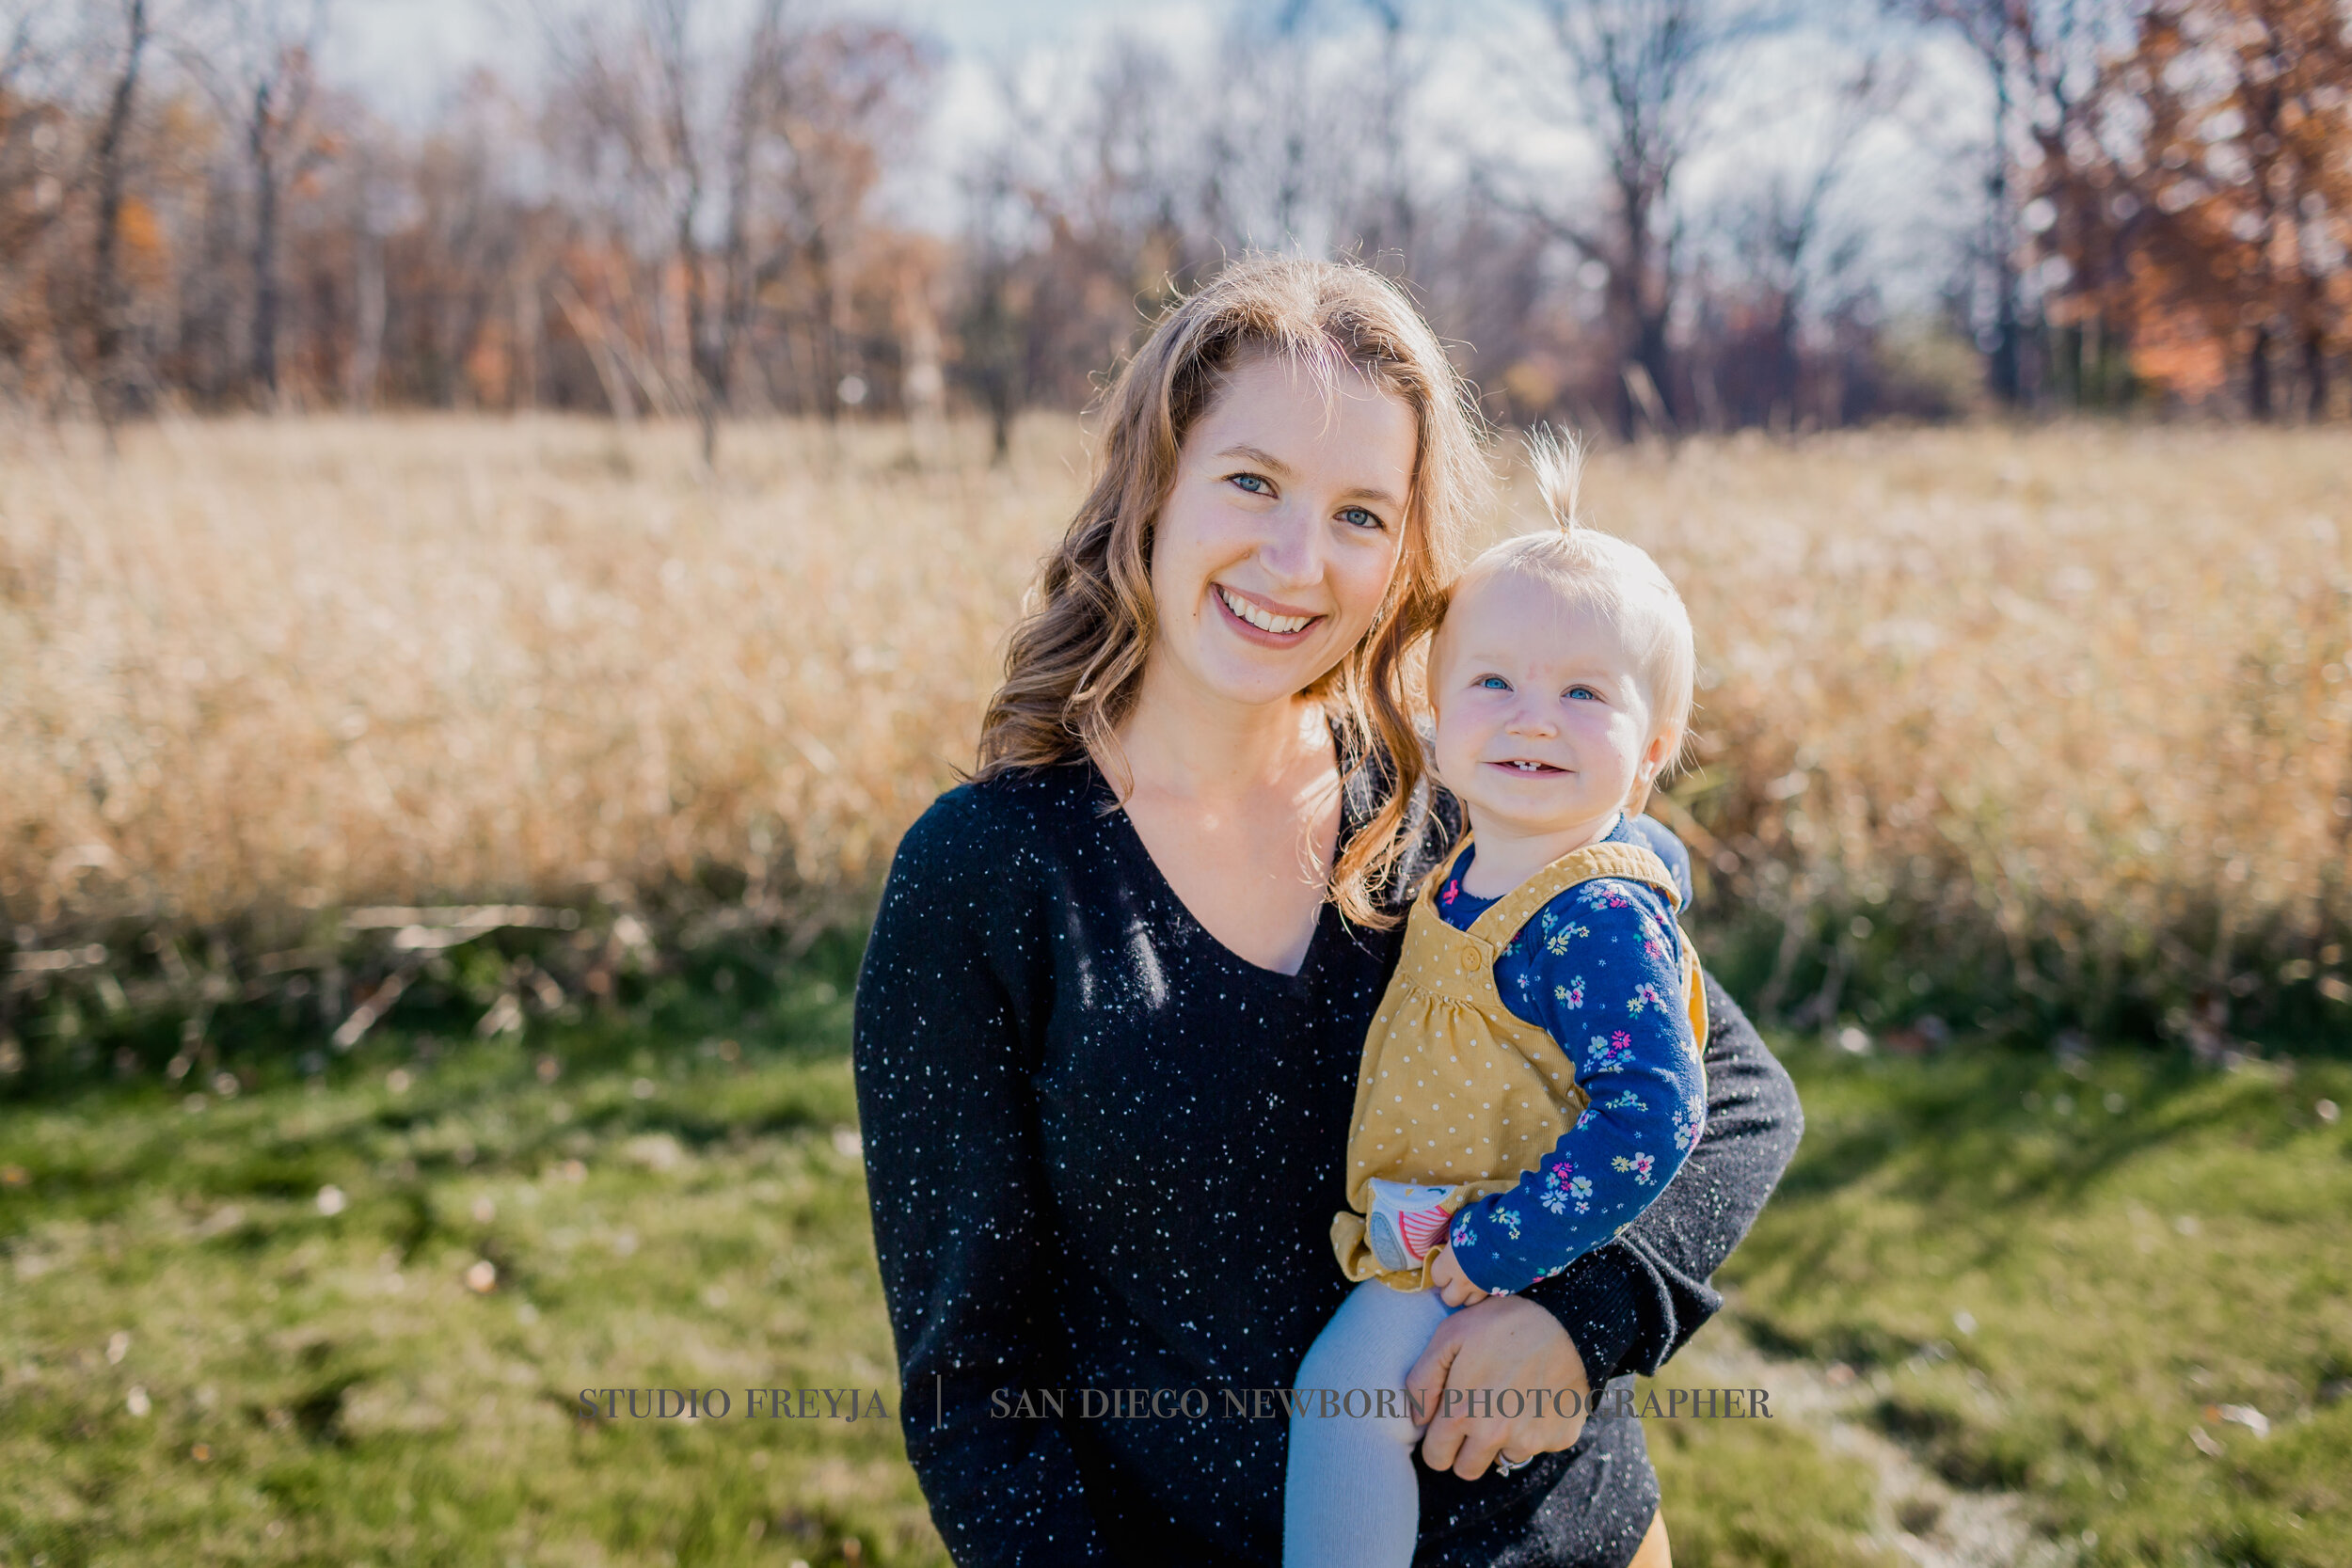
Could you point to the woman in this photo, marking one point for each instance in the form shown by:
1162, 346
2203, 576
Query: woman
1109, 1022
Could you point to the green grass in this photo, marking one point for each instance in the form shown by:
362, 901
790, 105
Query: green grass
1754, 1494
329, 1388
681, 1206
2053, 1281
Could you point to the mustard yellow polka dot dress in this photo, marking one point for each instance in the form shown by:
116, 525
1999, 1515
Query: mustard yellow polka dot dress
1457, 1091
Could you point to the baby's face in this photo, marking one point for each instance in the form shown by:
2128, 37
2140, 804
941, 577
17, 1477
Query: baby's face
1543, 722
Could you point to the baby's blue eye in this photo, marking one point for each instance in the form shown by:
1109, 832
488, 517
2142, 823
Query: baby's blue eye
1254, 484
1356, 516
1585, 692
1494, 683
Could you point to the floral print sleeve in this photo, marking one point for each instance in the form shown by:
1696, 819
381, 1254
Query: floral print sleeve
1600, 970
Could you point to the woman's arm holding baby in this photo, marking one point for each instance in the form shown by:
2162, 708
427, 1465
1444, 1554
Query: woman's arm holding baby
1629, 1305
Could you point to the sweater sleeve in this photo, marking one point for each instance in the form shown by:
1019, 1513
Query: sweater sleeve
1631, 1303
1601, 971
951, 985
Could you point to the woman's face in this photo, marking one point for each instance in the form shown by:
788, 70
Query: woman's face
1276, 543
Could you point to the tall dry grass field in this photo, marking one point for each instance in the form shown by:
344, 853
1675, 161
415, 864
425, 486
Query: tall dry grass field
2038, 726
2047, 727
335, 661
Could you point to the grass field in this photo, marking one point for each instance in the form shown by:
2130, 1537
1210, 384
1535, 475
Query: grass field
433, 853
203, 1363
2119, 1287
2035, 1281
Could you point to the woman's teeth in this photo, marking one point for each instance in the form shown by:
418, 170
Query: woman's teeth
1260, 619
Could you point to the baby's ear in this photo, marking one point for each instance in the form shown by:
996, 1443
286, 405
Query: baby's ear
1653, 759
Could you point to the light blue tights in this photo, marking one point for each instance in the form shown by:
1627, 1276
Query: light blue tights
1351, 1498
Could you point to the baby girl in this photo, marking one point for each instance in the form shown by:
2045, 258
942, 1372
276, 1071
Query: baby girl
1531, 1080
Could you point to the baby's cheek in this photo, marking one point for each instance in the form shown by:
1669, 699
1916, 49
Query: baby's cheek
1456, 742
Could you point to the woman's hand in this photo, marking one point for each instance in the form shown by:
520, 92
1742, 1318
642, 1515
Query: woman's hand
1451, 1283
1504, 1342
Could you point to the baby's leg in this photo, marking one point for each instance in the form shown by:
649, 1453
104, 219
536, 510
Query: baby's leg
1351, 1499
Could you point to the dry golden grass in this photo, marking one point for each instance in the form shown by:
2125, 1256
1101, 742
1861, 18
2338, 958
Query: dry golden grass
2070, 703
331, 662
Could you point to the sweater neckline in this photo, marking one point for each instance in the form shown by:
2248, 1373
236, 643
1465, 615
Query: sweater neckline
1103, 801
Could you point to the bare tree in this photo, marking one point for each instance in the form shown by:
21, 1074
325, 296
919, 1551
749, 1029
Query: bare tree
108, 305
842, 106
755, 139
1641, 79
2041, 58
259, 64
34, 142
1785, 234
634, 102
992, 326
1390, 223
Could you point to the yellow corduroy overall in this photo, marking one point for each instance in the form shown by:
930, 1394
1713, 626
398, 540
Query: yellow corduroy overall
1454, 1087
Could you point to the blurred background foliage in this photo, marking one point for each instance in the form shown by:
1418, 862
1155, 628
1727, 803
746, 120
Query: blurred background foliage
1636, 215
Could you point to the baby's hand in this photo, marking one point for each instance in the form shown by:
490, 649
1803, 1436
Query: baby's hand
1447, 1276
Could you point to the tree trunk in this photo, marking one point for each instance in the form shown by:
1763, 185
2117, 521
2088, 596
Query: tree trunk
825, 334
105, 285
702, 383
2258, 375
259, 145
2004, 370
2314, 374
367, 326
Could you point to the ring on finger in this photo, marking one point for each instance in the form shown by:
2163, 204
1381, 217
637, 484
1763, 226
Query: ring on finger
1504, 1464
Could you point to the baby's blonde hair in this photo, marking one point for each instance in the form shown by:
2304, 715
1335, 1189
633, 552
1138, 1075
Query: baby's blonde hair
1612, 578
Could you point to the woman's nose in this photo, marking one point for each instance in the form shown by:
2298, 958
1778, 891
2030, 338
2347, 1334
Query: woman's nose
1291, 551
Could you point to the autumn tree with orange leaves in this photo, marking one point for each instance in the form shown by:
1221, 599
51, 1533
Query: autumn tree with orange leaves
2202, 213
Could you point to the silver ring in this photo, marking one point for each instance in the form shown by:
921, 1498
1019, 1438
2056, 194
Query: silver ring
1504, 1465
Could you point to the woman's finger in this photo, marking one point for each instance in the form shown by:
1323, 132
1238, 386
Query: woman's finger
1425, 1384
1482, 1444
1503, 1344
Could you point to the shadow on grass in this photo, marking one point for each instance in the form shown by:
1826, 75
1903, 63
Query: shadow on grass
740, 987
1951, 1124
703, 1065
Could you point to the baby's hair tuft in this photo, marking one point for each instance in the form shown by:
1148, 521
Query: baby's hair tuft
1558, 459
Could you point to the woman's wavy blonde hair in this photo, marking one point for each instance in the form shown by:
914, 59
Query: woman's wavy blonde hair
1076, 657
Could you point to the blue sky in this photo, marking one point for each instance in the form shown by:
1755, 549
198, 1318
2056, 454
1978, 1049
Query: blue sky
404, 51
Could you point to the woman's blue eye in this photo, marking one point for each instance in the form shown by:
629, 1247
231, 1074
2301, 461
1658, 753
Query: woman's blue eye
1254, 484
1356, 516
1494, 683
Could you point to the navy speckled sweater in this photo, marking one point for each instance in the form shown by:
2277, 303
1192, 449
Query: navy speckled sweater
1103, 1151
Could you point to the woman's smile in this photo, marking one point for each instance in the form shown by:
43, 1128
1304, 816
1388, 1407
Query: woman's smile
1271, 625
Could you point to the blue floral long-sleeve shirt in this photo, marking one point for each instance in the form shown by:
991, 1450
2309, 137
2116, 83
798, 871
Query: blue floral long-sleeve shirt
1600, 970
